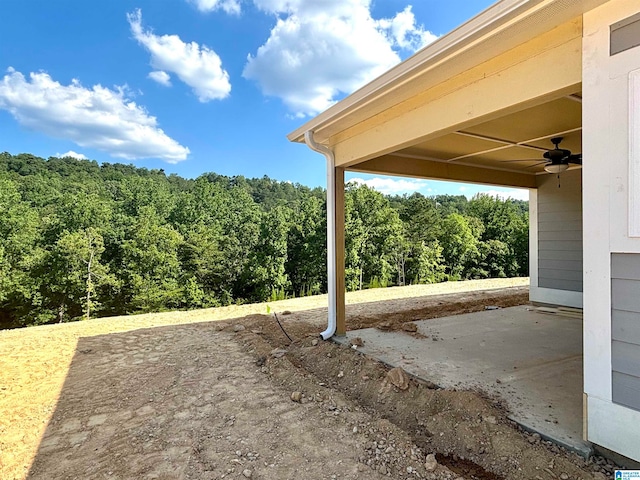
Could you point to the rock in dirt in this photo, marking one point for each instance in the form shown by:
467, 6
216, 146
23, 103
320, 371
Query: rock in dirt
398, 378
296, 397
357, 342
278, 352
410, 327
247, 473
286, 312
491, 419
238, 328
314, 342
430, 463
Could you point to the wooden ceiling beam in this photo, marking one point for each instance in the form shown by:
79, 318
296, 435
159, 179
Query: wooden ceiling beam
441, 170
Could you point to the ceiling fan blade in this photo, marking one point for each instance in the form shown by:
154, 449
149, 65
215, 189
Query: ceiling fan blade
523, 160
537, 164
575, 158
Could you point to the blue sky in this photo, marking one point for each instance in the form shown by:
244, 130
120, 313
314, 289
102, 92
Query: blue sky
193, 86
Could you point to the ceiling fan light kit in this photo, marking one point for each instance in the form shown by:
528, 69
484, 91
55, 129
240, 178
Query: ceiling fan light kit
556, 167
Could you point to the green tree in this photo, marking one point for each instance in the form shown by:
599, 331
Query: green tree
265, 276
423, 260
448, 204
202, 260
495, 260
507, 222
373, 229
459, 246
306, 264
153, 270
21, 257
420, 217
222, 221
425, 263
77, 273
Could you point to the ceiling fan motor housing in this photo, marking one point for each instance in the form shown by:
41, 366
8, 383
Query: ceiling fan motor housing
557, 155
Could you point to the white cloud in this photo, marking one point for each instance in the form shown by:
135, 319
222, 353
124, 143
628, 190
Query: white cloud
463, 189
403, 31
318, 51
229, 6
197, 66
163, 78
72, 154
392, 186
513, 193
95, 117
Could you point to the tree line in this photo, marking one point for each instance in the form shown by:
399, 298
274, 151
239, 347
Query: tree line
80, 240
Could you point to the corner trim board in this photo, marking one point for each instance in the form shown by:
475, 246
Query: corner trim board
634, 153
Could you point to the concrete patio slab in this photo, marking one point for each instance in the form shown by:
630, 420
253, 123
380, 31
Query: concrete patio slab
531, 360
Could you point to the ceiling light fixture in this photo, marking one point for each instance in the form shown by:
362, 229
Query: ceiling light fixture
556, 167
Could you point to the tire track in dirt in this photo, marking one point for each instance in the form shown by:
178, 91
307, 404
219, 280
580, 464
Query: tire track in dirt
190, 402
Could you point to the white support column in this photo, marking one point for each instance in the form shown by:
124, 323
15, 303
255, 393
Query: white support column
331, 247
533, 242
341, 327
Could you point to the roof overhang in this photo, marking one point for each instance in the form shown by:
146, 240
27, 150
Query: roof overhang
481, 104
496, 30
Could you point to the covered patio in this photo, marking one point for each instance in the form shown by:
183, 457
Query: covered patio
482, 104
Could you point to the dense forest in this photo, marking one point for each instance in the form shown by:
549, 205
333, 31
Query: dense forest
79, 239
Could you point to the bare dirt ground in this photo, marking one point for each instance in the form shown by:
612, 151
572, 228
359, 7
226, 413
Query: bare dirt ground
190, 396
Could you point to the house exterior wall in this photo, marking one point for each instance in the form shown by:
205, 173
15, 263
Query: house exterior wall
556, 246
611, 170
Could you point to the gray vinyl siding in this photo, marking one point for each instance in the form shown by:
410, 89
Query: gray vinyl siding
625, 34
625, 329
560, 231
626, 390
562, 284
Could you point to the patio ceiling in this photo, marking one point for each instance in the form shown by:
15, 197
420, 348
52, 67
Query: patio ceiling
515, 142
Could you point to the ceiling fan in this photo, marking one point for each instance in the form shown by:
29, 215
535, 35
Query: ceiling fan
560, 158
557, 159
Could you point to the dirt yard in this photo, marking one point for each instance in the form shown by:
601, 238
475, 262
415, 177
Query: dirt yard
191, 395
